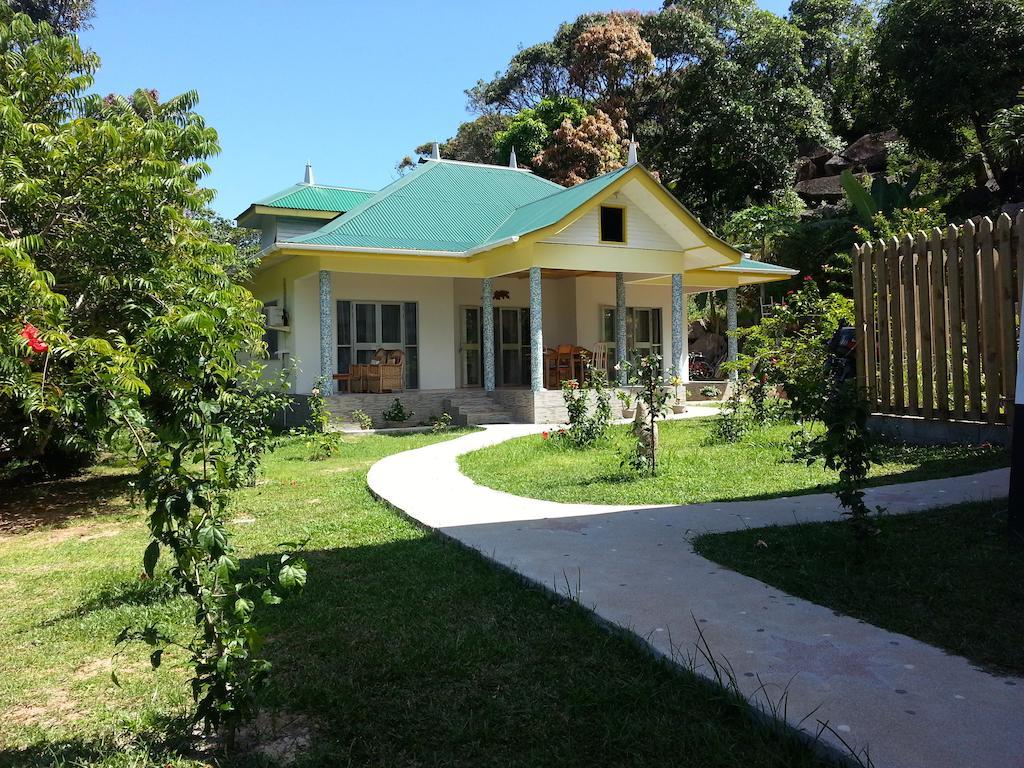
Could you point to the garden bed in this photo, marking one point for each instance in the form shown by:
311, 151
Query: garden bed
404, 649
947, 577
694, 467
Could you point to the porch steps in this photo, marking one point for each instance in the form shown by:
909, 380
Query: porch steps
475, 408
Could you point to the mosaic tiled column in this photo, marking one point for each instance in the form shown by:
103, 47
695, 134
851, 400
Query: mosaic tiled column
620, 325
679, 365
488, 331
326, 343
536, 332
730, 324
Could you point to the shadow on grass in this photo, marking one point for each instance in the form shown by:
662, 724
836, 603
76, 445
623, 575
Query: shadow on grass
419, 651
130, 592
26, 508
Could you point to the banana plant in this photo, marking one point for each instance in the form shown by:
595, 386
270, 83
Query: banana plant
883, 197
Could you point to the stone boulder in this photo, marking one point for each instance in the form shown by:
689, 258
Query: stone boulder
868, 153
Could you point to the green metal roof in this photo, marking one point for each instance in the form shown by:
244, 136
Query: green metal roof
747, 264
553, 208
449, 206
316, 197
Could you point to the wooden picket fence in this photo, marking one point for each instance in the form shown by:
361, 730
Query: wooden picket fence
936, 317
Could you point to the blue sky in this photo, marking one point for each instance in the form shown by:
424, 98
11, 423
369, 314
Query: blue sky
350, 86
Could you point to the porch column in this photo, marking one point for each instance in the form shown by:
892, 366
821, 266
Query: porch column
488, 331
536, 333
730, 324
620, 326
326, 342
680, 363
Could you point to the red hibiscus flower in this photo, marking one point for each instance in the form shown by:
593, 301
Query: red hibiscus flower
31, 334
544, 435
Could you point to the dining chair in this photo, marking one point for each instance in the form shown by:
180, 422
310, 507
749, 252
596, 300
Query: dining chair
563, 362
550, 375
600, 359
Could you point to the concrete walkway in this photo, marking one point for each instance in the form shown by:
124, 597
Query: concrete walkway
907, 703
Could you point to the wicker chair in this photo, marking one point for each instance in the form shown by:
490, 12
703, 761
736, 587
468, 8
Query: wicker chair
387, 375
359, 373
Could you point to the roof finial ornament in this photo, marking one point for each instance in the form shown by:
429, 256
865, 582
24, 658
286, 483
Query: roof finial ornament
512, 163
308, 178
435, 151
633, 146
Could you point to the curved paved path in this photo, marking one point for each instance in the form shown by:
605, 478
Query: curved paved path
910, 704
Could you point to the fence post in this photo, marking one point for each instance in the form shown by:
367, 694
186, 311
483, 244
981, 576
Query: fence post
884, 330
924, 325
938, 306
970, 286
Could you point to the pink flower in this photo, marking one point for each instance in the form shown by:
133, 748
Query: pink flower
31, 334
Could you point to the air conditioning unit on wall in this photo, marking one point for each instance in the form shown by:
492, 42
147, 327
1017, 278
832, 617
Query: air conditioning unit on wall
274, 316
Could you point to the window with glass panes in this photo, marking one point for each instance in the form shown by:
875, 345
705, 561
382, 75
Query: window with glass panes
643, 332
366, 326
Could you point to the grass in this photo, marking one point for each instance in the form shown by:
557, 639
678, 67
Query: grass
404, 650
947, 577
696, 468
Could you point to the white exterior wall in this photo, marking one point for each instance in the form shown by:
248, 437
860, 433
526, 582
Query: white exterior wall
571, 315
598, 291
641, 231
436, 316
290, 227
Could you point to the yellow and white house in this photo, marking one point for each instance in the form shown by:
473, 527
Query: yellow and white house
473, 270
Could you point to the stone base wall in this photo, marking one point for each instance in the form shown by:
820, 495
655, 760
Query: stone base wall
914, 429
518, 402
426, 405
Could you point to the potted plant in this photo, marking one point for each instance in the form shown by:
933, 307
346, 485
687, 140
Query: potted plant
679, 402
626, 398
396, 414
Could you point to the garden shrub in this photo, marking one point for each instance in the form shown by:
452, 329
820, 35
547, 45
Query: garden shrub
652, 403
732, 422
787, 350
586, 425
397, 412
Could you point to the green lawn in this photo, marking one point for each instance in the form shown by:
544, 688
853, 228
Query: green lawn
946, 577
405, 650
696, 468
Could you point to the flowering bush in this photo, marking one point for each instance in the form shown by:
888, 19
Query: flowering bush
586, 426
787, 351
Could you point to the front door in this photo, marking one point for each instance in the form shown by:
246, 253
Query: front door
511, 346
470, 348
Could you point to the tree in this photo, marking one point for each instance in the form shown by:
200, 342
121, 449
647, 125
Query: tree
714, 90
758, 229
578, 153
837, 38
608, 59
950, 65
119, 312
246, 242
65, 16
530, 132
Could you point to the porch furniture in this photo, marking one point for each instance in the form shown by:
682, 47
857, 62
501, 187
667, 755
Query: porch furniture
564, 367
359, 373
600, 358
387, 374
550, 375
580, 357
344, 378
